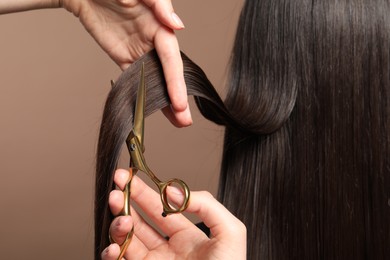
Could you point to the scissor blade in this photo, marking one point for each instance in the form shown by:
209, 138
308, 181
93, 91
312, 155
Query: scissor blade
139, 114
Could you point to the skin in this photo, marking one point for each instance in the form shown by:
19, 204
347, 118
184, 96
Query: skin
125, 30
228, 239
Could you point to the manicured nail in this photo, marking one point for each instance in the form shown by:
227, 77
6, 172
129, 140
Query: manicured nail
177, 20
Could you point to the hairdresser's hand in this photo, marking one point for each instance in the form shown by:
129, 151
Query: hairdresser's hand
186, 241
127, 29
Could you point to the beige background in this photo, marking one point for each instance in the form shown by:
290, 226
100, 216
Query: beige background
53, 82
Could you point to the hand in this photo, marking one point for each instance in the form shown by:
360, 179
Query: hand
186, 241
127, 29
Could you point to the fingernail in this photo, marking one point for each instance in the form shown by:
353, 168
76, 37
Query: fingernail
177, 20
188, 115
175, 195
175, 190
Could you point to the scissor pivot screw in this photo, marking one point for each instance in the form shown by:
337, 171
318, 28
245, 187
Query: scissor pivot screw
132, 147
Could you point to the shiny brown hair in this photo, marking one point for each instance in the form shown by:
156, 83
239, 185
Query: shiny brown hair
306, 159
314, 78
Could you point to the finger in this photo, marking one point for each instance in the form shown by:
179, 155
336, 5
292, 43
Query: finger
163, 10
221, 222
175, 117
119, 230
150, 237
121, 178
145, 233
111, 252
120, 227
134, 251
116, 199
168, 51
149, 201
116, 202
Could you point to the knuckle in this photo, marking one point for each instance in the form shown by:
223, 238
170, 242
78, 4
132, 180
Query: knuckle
114, 193
114, 196
207, 195
242, 228
237, 229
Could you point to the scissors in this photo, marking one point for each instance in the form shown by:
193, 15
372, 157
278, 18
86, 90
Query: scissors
135, 145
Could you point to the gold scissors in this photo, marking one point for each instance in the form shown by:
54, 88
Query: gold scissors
135, 145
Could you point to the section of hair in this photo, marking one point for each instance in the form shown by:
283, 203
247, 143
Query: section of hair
317, 186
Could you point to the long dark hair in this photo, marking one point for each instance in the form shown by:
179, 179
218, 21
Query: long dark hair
313, 76
306, 160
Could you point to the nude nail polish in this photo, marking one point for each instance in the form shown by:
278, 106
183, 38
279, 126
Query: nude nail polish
177, 20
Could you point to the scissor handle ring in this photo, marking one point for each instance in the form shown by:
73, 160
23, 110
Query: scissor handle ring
167, 208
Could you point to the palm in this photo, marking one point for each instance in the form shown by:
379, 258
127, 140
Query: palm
127, 29
118, 28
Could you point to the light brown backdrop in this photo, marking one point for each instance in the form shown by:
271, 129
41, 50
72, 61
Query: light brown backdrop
53, 82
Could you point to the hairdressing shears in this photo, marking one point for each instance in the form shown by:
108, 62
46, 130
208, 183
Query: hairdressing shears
135, 145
